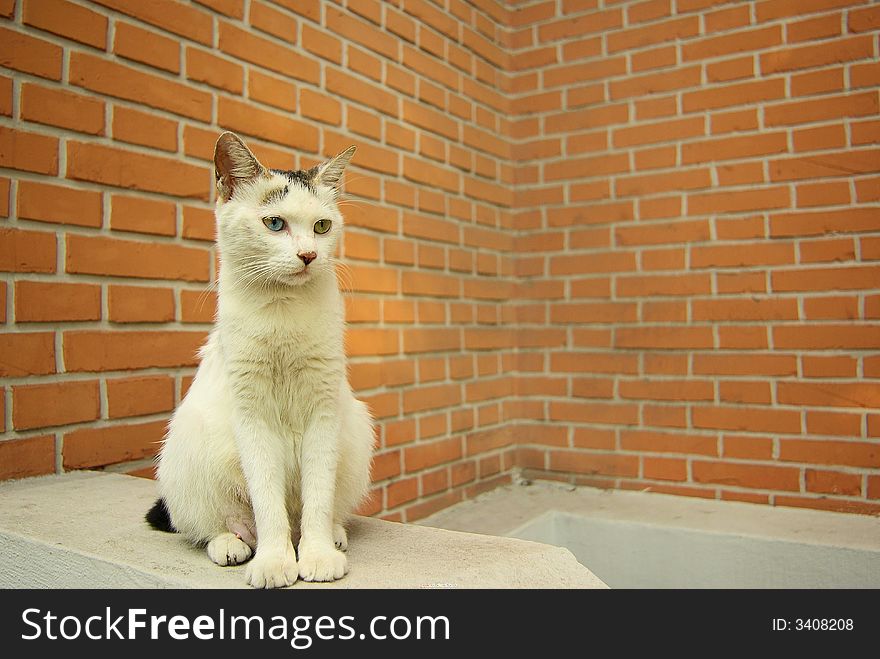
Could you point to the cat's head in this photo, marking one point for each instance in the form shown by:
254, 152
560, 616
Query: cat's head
275, 227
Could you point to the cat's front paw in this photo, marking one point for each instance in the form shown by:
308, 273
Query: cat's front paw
228, 549
321, 563
272, 570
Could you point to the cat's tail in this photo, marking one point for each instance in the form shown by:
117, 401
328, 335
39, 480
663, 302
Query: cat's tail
159, 518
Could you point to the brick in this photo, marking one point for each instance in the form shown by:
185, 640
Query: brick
762, 477
27, 251
739, 201
28, 151
826, 279
653, 83
679, 28
61, 108
33, 456
55, 404
735, 42
432, 454
342, 84
120, 81
25, 354
734, 94
271, 91
186, 21
833, 482
607, 464
127, 169
100, 255
832, 107
145, 129
140, 304
139, 396
828, 452
804, 57
804, 224
836, 394
747, 418
206, 67
734, 148
40, 302
817, 82
146, 47
92, 351
50, 203
22, 52
92, 447
274, 22
67, 20
826, 337
268, 125
737, 68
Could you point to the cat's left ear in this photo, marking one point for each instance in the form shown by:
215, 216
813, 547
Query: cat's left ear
330, 173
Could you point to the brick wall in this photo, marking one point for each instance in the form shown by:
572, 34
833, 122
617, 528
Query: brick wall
697, 214
626, 244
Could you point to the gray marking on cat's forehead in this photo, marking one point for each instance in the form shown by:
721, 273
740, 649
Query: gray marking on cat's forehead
305, 178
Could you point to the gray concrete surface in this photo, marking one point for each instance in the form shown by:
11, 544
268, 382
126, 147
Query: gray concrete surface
86, 530
646, 540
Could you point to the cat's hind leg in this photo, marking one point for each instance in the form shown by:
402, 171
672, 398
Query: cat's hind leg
340, 537
228, 549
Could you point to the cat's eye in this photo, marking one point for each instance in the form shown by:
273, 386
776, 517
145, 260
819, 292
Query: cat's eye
322, 226
273, 223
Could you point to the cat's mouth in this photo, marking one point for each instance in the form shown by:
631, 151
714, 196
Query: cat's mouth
299, 276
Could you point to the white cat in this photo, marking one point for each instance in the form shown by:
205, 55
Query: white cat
269, 435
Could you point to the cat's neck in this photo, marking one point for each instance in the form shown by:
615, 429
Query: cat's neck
238, 297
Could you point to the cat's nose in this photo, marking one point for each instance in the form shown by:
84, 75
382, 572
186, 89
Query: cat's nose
307, 257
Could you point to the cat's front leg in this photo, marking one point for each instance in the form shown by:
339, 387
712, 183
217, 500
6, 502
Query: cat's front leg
264, 463
319, 560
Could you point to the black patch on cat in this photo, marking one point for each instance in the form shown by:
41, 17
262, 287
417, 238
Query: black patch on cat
304, 177
159, 518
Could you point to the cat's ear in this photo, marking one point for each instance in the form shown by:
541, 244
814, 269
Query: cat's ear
330, 173
234, 164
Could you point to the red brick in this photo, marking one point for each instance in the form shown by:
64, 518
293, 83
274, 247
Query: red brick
22, 52
92, 447
55, 404
827, 452
27, 251
26, 354
191, 22
145, 129
143, 215
202, 66
33, 456
40, 302
50, 203
114, 79
268, 125
28, 151
91, 351
128, 169
747, 418
139, 45
140, 304
608, 464
762, 477
61, 108
139, 396
101, 255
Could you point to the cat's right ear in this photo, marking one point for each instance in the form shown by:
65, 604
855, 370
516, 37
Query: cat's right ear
234, 164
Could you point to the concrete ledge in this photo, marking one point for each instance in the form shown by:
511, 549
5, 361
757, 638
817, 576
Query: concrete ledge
86, 530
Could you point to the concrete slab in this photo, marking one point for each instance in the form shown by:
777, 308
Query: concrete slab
86, 530
646, 540
506, 509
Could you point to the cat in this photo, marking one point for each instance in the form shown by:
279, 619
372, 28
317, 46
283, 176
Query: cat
269, 434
